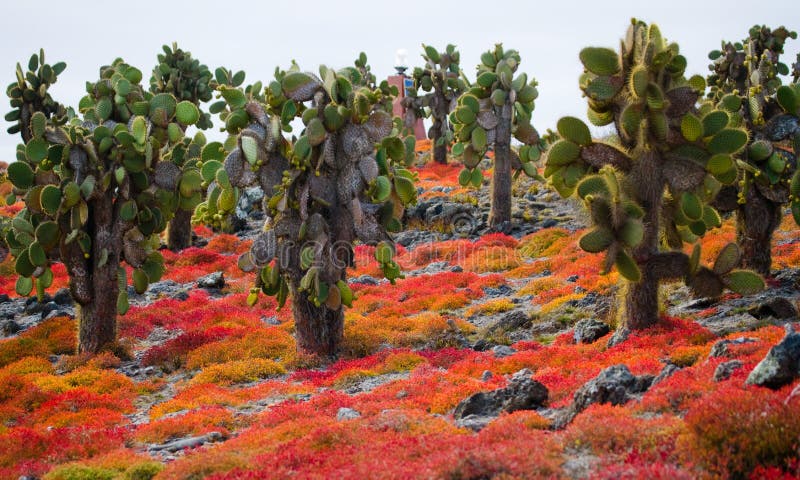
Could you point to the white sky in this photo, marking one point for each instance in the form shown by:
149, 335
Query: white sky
258, 36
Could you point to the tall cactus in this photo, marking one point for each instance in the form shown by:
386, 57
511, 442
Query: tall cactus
496, 108
746, 82
95, 194
184, 77
656, 183
340, 181
441, 80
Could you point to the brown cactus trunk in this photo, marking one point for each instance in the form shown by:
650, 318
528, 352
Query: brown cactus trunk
179, 231
438, 129
501, 179
641, 298
97, 317
318, 330
97, 321
756, 221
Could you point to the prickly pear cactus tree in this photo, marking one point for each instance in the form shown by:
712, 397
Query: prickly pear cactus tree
342, 180
649, 193
29, 94
497, 108
184, 77
746, 83
95, 195
442, 82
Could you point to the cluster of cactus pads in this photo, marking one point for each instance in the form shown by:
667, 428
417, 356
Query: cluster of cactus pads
493, 110
96, 192
746, 83
650, 192
342, 180
442, 81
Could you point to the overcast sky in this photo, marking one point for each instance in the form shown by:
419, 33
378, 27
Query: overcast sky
258, 36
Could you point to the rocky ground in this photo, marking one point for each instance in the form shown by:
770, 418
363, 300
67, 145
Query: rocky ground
502, 322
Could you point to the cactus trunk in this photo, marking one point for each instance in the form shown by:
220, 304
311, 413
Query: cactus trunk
97, 318
500, 215
756, 220
439, 127
318, 330
179, 233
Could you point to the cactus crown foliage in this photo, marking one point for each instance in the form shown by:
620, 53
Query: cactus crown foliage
650, 190
442, 82
88, 185
185, 78
498, 102
29, 94
341, 180
746, 81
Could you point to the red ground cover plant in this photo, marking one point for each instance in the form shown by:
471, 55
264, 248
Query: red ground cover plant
230, 368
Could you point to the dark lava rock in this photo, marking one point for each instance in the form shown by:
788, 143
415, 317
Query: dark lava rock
615, 385
781, 365
725, 370
521, 393
511, 321
720, 348
365, 280
212, 280
589, 330
666, 372
776, 307
63, 297
4, 298
10, 327
620, 335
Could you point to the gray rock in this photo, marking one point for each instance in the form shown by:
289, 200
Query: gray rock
500, 291
589, 330
270, 320
725, 370
486, 376
365, 280
615, 385
4, 298
215, 280
666, 372
10, 327
456, 269
502, 351
521, 393
474, 422
620, 335
781, 365
184, 443
345, 413
720, 348
63, 297
510, 321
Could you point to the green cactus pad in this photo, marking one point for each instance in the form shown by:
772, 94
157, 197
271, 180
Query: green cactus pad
638, 81
714, 122
632, 232
631, 120
731, 103
479, 139
574, 130
36, 254
788, 99
602, 89
140, 281
477, 178
382, 189
38, 124
691, 127
562, 153
744, 282
720, 164
728, 140
21, 175
627, 267
165, 102
759, 150
128, 211
593, 185
187, 113
486, 79
794, 185
464, 177
47, 234
471, 101
599, 119
36, 150
691, 206
596, 240
728, 258
600, 61
776, 163
50, 199
465, 115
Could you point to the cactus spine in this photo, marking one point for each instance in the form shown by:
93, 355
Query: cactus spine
656, 183
92, 198
340, 181
441, 80
496, 108
746, 82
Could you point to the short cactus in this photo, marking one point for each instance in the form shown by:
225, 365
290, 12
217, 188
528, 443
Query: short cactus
340, 181
746, 83
91, 199
184, 77
497, 107
442, 81
651, 189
